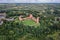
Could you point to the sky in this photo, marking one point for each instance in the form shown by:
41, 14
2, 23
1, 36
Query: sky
29, 1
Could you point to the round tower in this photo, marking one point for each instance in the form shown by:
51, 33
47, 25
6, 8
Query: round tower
30, 16
37, 20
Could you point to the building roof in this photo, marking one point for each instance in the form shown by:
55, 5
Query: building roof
9, 19
2, 15
1, 22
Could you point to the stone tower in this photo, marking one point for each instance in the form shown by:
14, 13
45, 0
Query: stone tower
37, 20
30, 16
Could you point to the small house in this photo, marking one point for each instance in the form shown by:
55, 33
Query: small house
57, 18
9, 19
2, 15
1, 22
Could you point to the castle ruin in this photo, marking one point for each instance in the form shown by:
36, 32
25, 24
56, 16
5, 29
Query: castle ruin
29, 17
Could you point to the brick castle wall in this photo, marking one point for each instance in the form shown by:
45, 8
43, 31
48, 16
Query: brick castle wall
30, 17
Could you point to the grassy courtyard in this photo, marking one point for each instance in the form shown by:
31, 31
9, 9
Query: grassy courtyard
30, 22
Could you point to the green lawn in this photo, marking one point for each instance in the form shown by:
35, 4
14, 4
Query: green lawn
30, 22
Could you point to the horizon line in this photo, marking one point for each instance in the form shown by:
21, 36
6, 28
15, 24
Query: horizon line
2, 3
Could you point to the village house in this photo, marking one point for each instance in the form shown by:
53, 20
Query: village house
29, 17
1, 22
3, 17
9, 19
57, 19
